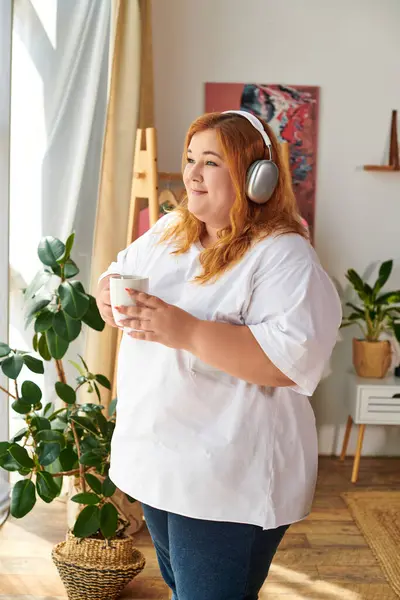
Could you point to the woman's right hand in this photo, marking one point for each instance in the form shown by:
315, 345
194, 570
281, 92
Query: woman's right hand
104, 302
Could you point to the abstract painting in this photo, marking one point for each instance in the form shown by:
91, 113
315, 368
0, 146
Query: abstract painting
292, 112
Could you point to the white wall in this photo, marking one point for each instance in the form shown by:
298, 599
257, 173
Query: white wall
351, 49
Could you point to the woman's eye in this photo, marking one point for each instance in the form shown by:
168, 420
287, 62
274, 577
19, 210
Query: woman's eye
190, 160
211, 163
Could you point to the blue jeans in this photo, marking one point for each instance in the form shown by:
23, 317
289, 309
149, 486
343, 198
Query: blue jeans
210, 560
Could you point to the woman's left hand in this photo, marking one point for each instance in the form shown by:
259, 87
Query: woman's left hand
157, 321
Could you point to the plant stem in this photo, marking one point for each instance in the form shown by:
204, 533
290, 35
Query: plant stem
78, 451
119, 509
66, 473
60, 370
16, 389
7, 392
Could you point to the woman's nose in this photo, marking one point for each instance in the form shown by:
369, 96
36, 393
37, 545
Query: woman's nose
196, 174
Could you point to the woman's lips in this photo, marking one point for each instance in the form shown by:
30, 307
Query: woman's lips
197, 192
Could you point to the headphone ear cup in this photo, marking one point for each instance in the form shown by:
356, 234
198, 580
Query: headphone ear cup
261, 181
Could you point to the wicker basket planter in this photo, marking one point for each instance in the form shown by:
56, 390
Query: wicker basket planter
92, 569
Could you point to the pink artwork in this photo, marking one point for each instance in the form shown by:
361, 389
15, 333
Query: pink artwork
292, 112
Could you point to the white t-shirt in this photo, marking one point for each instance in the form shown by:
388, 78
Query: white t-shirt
195, 441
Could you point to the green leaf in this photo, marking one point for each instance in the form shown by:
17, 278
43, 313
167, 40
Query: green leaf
48, 453
46, 487
43, 348
355, 280
90, 407
396, 331
8, 463
70, 269
40, 424
68, 247
86, 498
91, 459
85, 422
73, 302
44, 321
55, 467
389, 298
34, 306
23, 498
78, 368
4, 446
19, 435
101, 423
108, 488
65, 392
34, 364
92, 316
94, 483
35, 341
21, 407
65, 327
102, 380
48, 436
83, 362
88, 522
68, 458
21, 456
48, 409
384, 274
61, 413
12, 366
112, 407
57, 346
40, 279
89, 443
96, 388
108, 520
50, 250
4, 350
31, 392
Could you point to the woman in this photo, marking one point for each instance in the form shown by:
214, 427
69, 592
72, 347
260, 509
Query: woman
215, 434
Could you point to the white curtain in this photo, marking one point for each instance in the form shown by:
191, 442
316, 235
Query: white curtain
58, 108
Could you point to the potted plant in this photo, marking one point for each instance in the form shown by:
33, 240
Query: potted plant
376, 314
97, 559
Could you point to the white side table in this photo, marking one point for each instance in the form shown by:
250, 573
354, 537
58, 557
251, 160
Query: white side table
370, 402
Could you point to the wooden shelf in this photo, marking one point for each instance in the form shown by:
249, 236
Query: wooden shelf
380, 168
394, 159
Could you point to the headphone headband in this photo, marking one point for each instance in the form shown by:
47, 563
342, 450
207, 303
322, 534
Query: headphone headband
256, 124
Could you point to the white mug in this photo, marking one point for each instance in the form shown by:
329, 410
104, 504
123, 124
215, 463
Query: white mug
120, 297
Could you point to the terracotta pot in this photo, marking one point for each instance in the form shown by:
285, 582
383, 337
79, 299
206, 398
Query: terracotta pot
372, 359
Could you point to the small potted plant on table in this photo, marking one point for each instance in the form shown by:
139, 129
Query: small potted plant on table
376, 314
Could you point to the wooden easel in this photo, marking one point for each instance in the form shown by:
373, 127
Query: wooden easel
144, 186
144, 181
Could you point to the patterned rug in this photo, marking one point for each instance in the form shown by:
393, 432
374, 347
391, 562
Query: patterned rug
377, 515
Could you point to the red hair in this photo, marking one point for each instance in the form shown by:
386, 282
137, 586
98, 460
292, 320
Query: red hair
241, 145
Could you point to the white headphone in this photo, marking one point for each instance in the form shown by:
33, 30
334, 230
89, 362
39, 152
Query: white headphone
262, 175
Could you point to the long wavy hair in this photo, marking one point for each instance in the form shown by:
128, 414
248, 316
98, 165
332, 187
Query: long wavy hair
249, 222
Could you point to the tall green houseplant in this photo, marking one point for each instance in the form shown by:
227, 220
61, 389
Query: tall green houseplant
70, 439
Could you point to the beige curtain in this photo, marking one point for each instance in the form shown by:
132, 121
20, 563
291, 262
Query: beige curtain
130, 106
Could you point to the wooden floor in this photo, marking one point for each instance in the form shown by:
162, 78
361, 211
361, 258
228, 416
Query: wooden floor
323, 557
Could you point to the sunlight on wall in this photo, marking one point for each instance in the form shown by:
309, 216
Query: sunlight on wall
47, 13
28, 145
